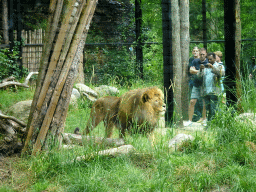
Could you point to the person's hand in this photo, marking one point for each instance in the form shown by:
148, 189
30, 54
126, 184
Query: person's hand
209, 65
192, 68
202, 67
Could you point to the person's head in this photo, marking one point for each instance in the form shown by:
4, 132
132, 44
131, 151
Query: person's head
202, 54
195, 52
218, 56
211, 57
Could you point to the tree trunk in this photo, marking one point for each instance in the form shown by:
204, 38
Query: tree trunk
58, 72
184, 43
177, 70
80, 75
5, 21
237, 53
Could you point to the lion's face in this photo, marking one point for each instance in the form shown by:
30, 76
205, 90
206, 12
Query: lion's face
158, 105
156, 99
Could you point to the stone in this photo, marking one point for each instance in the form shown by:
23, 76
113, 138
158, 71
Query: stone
21, 110
104, 90
76, 93
73, 100
82, 88
178, 139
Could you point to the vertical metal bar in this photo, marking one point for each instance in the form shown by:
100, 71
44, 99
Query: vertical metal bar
11, 24
138, 29
204, 23
229, 27
167, 58
19, 29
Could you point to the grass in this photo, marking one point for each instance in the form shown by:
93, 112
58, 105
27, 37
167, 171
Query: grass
219, 159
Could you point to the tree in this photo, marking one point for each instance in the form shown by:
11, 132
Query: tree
5, 21
184, 44
177, 70
232, 50
58, 71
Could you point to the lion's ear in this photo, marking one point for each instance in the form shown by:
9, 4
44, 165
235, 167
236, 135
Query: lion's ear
145, 97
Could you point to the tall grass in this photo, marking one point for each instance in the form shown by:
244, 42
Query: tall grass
219, 159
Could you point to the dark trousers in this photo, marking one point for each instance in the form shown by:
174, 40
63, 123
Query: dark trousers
211, 104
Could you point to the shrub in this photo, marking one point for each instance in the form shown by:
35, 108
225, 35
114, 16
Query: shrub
8, 62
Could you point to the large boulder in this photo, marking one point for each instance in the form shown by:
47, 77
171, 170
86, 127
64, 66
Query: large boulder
104, 90
21, 110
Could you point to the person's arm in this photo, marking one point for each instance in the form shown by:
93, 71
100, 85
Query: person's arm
200, 72
215, 70
193, 70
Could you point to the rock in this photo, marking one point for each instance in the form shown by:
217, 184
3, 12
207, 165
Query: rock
125, 149
76, 93
104, 90
83, 88
178, 139
73, 100
89, 97
87, 91
247, 116
21, 110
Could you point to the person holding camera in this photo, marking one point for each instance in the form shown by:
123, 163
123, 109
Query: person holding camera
211, 74
195, 94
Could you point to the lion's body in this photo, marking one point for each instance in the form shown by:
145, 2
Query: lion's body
104, 109
135, 111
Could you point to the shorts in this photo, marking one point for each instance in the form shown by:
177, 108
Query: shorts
195, 93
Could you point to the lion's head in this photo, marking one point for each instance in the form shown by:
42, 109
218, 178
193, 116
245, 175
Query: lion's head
155, 98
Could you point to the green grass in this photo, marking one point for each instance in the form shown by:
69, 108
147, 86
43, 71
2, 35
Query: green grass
218, 159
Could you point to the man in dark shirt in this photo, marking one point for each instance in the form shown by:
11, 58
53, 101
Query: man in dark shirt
195, 95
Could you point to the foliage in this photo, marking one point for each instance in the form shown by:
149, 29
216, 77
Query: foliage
8, 63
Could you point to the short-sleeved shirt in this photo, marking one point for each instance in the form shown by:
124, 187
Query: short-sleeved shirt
196, 63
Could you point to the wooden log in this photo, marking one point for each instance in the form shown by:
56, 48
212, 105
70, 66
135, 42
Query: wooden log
25, 84
59, 86
54, 15
80, 139
122, 150
22, 124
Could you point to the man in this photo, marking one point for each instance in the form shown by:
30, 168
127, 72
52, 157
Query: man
211, 74
195, 53
195, 95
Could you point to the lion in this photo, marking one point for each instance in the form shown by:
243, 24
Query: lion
140, 110
136, 111
104, 109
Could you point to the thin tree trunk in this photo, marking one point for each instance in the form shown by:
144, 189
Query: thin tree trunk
5, 21
237, 53
184, 43
177, 61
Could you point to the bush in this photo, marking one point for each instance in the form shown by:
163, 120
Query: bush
8, 62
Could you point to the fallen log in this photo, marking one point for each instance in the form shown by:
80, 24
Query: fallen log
10, 81
13, 135
122, 150
69, 138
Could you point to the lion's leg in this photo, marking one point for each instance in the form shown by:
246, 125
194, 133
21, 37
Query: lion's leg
151, 138
109, 129
122, 130
94, 120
